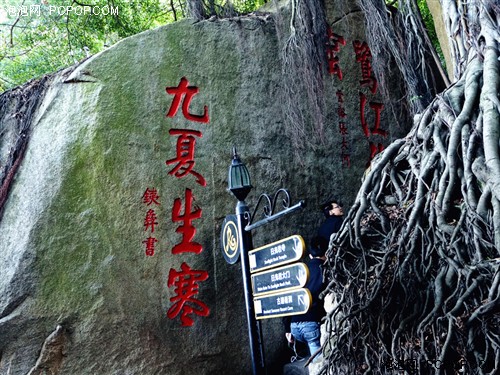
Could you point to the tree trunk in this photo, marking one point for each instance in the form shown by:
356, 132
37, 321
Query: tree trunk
415, 267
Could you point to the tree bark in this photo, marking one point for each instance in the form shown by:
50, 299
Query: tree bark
416, 263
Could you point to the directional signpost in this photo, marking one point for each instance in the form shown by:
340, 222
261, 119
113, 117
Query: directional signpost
277, 253
277, 305
277, 290
279, 279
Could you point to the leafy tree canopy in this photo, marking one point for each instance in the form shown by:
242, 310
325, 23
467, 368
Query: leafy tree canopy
41, 36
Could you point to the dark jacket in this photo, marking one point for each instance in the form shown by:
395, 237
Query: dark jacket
315, 286
331, 225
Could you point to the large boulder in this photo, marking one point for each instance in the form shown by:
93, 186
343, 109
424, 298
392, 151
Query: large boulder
115, 208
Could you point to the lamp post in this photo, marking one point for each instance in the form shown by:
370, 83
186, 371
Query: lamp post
239, 184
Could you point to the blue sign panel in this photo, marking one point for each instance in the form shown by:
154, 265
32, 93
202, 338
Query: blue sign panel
294, 302
277, 253
279, 279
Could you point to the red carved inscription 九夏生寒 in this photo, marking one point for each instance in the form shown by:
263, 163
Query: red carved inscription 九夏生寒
186, 229
184, 160
184, 93
185, 282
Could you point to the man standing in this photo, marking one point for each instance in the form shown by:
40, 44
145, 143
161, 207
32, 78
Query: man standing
334, 213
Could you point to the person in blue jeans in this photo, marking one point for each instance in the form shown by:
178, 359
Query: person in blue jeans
306, 327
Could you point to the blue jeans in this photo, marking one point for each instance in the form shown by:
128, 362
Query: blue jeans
308, 332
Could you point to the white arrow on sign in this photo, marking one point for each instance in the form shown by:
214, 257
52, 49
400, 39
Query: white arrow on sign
302, 277
297, 247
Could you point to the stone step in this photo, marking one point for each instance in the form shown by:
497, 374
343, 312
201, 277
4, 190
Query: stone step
296, 368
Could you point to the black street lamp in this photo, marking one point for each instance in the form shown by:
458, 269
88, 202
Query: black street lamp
239, 184
238, 179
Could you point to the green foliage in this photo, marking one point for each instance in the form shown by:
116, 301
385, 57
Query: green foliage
38, 37
431, 31
247, 6
41, 36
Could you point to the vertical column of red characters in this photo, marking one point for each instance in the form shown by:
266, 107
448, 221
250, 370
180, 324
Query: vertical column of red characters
332, 48
150, 199
364, 58
185, 280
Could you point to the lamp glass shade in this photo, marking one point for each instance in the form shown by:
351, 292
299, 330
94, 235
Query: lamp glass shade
239, 179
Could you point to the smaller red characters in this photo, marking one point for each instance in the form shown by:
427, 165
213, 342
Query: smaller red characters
346, 160
150, 220
340, 96
150, 197
343, 128
150, 246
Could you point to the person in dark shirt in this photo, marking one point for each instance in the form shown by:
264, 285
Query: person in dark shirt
306, 327
334, 214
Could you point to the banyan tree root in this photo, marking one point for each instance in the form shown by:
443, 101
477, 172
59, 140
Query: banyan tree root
415, 268
17, 109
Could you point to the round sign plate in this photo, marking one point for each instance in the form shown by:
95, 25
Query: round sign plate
229, 239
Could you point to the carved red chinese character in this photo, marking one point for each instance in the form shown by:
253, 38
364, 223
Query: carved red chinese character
334, 40
185, 93
375, 149
342, 128
332, 47
362, 104
334, 66
345, 144
346, 160
362, 51
150, 197
185, 155
150, 220
371, 83
187, 229
340, 96
364, 56
186, 282
150, 246
377, 108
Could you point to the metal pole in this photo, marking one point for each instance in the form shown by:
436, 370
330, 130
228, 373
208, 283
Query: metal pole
277, 215
254, 328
